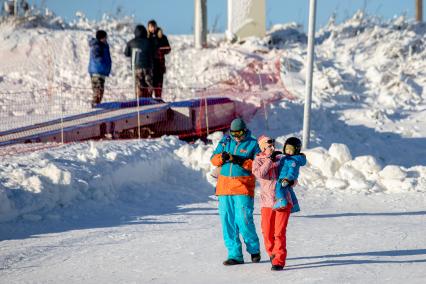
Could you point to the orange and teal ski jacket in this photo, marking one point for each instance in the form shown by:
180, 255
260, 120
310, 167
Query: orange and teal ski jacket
236, 179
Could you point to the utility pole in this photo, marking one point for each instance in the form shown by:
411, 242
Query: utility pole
15, 7
309, 73
200, 23
419, 10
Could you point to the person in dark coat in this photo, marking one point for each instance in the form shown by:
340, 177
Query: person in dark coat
143, 62
162, 48
152, 29
99, 65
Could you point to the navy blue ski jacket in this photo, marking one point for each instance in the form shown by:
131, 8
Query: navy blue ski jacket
100, 58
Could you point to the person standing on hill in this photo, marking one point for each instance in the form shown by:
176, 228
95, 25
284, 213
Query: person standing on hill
235, 189
99, 65
162, 48
143, 61
152, 30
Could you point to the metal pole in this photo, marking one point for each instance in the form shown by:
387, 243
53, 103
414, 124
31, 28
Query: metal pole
15, 8
200, 23
62, 114
207, 115
309, 73
230, 27
135, 52
419, 10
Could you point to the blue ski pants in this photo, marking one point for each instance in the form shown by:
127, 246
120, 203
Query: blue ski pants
236, 216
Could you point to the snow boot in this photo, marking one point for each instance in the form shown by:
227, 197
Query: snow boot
255, 257
232, 262
277, 267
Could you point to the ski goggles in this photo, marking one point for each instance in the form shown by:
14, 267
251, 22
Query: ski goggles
237, 133
271, 141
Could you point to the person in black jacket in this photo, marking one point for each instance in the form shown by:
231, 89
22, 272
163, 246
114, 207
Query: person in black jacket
143, 62
162, 48
152, 29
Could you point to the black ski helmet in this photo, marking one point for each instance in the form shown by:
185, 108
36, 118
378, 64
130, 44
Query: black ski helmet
295, 142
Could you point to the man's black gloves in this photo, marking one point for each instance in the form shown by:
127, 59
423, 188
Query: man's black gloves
274, 155
225, 157
238, 160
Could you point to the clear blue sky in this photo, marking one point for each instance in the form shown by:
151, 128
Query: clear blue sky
176, 16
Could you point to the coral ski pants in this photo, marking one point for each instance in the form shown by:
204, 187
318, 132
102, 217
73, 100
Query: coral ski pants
274, 225
236, 216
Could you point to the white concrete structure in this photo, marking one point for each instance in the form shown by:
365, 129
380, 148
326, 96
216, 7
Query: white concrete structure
246, 18
200, 23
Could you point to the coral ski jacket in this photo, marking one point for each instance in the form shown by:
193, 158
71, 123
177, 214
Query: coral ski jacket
266, 172
235, 179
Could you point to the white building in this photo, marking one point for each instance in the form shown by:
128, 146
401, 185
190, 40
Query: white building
246, 18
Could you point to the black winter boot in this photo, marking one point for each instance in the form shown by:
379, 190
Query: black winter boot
232, 262
277, 267
255, 257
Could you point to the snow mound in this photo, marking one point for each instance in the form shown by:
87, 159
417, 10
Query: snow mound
334, 169
34, 185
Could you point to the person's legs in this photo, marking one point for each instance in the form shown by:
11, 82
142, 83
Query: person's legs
244, 218
280, 241
294, 201
229, 227
98, 85
158, 84
281, 196
140, 83
149, 82
267, 216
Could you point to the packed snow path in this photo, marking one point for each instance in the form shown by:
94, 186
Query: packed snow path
370, 241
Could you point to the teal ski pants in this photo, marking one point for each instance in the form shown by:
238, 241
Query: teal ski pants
236, 216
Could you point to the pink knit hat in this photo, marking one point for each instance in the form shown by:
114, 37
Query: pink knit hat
263, 142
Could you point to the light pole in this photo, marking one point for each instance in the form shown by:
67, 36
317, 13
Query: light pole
309, 73
419, 10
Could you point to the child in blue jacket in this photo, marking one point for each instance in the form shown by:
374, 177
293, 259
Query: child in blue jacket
288, 173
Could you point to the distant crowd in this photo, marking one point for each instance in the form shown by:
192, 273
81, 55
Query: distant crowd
149, 48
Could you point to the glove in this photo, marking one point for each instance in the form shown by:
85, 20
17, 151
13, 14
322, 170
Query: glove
285, 182
225, 157
237, 160
274, 155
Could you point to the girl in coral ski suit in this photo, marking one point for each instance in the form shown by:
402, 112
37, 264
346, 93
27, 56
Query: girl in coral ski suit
273, 223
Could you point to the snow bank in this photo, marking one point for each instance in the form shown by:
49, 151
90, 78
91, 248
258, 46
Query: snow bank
335, 169
33, 185
332, 169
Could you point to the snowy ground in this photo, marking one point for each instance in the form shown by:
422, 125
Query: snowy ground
136, 212
140, 211
336, 239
